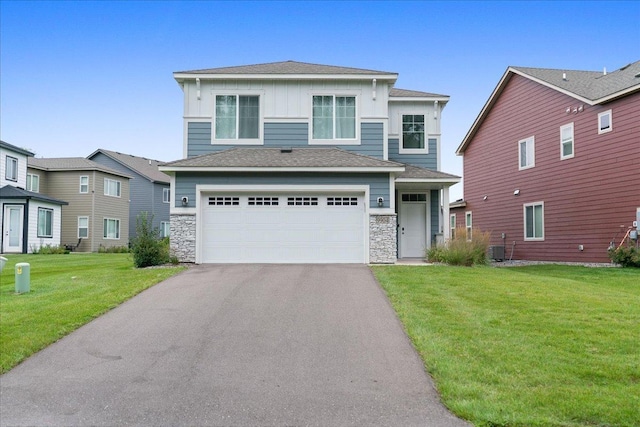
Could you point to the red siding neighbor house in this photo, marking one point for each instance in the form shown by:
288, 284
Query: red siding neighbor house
552, 163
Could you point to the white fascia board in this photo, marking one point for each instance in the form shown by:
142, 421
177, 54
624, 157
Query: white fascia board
186, 76
168, 169
450, 181
619, 94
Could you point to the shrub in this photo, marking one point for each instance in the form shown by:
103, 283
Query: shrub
113, 250
49, 250
626, 256
147, 247
460, 250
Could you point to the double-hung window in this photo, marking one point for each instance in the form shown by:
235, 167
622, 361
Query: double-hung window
165, 229
534, 221
527, 153
166, 195
413, 136
468, 223
11, 168
237, 117
334, 117
452, 226
111, 228
84, 184
112, 187
33, 183
604, 122
83, 227
45, 222
566, 141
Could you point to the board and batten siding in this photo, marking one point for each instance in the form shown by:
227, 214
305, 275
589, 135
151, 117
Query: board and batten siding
186, 182
146, 196
286, 135
586, 198
427, 161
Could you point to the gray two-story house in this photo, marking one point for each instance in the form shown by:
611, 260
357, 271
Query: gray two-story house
150, 191
292, 162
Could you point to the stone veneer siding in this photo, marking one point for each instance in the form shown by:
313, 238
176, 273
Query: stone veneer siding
183, 237
383, 239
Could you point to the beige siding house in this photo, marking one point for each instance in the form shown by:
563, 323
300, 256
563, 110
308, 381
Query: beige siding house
98, 211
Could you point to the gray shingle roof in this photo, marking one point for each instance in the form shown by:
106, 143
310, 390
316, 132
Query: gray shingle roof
10, 192
12, 147
285, 67
70, 163
414, 172
592, 85
145, 167
404, 93
276, 158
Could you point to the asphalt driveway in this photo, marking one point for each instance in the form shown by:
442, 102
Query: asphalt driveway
241, 345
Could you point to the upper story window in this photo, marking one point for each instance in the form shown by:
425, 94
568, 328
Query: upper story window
112, 187
11, 170
527, 153
534, 221
605, 122
334, 117
413, 136
166, 195
84, 184
33, 182
237, 117
566, 141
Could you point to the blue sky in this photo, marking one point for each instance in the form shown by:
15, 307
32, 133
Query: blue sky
78, 76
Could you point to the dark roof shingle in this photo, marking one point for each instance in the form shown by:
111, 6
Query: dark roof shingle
145, 167
10, 192
284, 67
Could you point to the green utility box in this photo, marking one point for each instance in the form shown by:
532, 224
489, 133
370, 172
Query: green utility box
23, 277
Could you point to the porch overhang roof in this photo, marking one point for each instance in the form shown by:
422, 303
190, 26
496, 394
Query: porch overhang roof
417, 175
9, 192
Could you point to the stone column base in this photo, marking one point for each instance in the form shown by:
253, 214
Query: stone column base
183, 237
383, 230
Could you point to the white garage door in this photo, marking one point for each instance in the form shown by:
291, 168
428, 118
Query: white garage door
283, 228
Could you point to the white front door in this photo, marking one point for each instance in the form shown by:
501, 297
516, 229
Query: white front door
413, 226
12, 239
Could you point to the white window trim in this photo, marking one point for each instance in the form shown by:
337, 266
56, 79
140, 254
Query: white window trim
573, 142
80, 184
336, 141
166, 195
238, 141
29, 183
44, 236
524, 222
427, 137
468, 224
610, 128
118, 187
14, 161
87, 227
104, 230
531, 139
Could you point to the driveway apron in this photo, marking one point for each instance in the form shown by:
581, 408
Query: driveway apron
241, 345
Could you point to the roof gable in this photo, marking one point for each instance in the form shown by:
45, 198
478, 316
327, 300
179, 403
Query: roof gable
15, 149
148, 168
71, 164
590, 87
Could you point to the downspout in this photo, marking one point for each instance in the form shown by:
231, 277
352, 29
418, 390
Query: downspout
93, 211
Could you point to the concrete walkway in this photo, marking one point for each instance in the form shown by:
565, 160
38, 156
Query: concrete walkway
240, 345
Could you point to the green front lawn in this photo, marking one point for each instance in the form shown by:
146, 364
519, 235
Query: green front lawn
544, 345
67, 291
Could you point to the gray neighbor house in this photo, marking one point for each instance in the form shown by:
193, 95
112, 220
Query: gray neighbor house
150, 188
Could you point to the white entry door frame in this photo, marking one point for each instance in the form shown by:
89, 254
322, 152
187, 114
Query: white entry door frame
414, 224
13, 229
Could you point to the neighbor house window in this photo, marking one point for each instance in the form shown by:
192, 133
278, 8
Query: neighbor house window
83, 227
112, 187
11, 170
237, 117
452, 226
413, 137
468, 223
111, 228
334, 117
166, 195
604, 122
33, 182
165, 229
84, 184
526, 152
45, 222
534, 221
566, 141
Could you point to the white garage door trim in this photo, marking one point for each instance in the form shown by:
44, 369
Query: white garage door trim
204, 191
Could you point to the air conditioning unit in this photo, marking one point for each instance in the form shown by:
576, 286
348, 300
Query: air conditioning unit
496, 253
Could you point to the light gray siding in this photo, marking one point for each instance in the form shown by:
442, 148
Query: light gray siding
428, 161
146, 196
285, 135
378, 182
